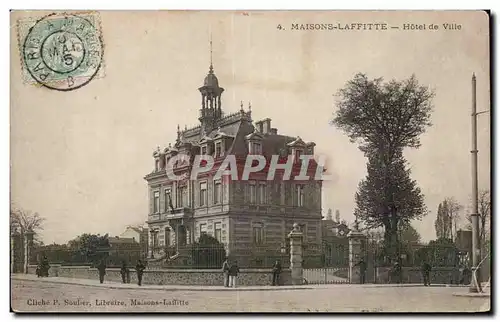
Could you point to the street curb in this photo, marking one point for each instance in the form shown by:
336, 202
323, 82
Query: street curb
158, 288
480, 295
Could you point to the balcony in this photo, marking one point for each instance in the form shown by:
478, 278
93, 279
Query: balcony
179, 213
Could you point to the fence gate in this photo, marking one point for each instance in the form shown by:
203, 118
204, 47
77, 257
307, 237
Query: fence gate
334, 268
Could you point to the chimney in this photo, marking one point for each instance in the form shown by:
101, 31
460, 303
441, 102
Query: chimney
266, 126
259, 126
274, 131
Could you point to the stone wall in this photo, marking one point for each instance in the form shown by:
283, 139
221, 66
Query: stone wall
247, 277
438, 275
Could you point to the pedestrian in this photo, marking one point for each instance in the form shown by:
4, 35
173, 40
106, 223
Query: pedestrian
397, 272
276, 273
124, 271
45, 266
426, 272
362, 271
102, 270
140, 270
233, 274
225, 272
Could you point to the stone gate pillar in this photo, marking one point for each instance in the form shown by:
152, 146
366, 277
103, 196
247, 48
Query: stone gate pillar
296, 254
150, 243
28, 245
356, 241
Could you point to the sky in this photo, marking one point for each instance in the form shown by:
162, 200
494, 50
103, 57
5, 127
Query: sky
79, 158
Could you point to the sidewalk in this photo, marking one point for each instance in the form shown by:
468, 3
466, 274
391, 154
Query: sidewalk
115, 285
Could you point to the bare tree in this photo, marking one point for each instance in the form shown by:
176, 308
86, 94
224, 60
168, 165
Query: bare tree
22, 221
453, 211
484, 205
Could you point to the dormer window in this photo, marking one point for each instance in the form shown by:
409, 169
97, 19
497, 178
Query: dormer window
256, 148
204, 149
157, 165
218, 149
298, 153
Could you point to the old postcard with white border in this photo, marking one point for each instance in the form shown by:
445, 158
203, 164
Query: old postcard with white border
250, 161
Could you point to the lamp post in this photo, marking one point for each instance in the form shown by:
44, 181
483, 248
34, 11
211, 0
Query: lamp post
475, 286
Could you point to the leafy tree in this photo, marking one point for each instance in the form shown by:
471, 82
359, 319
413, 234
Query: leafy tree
337, 215
208, 252
410, 235
443, 223
329, 215
89, 247
389, 199
439, 252
384, 118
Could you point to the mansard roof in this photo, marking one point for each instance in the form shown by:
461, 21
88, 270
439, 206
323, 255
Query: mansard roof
297, 142
254, 136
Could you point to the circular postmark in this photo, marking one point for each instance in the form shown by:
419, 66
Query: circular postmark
63, 51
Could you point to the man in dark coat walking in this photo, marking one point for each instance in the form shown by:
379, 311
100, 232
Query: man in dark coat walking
102, 270
276, 273
426, 272
125, 273
140, 270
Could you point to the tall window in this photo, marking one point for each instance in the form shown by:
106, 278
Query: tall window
167, 236
168, 200
156, 202
203, 194
253, 193
217, 192
218, 231
180, 196
203, 229
218, 149
262, 193
256, 148
300, 195
258, 233
204, 149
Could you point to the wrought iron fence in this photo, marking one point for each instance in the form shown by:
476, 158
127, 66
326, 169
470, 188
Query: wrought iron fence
326, 275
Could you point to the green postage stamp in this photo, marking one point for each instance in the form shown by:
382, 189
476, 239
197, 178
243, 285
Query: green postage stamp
61, 51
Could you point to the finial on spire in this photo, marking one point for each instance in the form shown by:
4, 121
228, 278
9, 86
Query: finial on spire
241, 105
473, 75
211, 70
185, 127
249, 106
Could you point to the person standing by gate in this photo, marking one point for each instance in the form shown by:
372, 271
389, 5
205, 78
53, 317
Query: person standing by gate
233, 274
140, 270
102, 270
225, 272
276, 273
362, 271
426, 272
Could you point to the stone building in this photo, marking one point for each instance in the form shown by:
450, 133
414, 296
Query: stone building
250, 217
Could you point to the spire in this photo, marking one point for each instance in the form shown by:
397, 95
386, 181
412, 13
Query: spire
241, 106
249, 106
211, 69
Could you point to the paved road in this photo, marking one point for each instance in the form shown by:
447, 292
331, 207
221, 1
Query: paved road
53, 297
